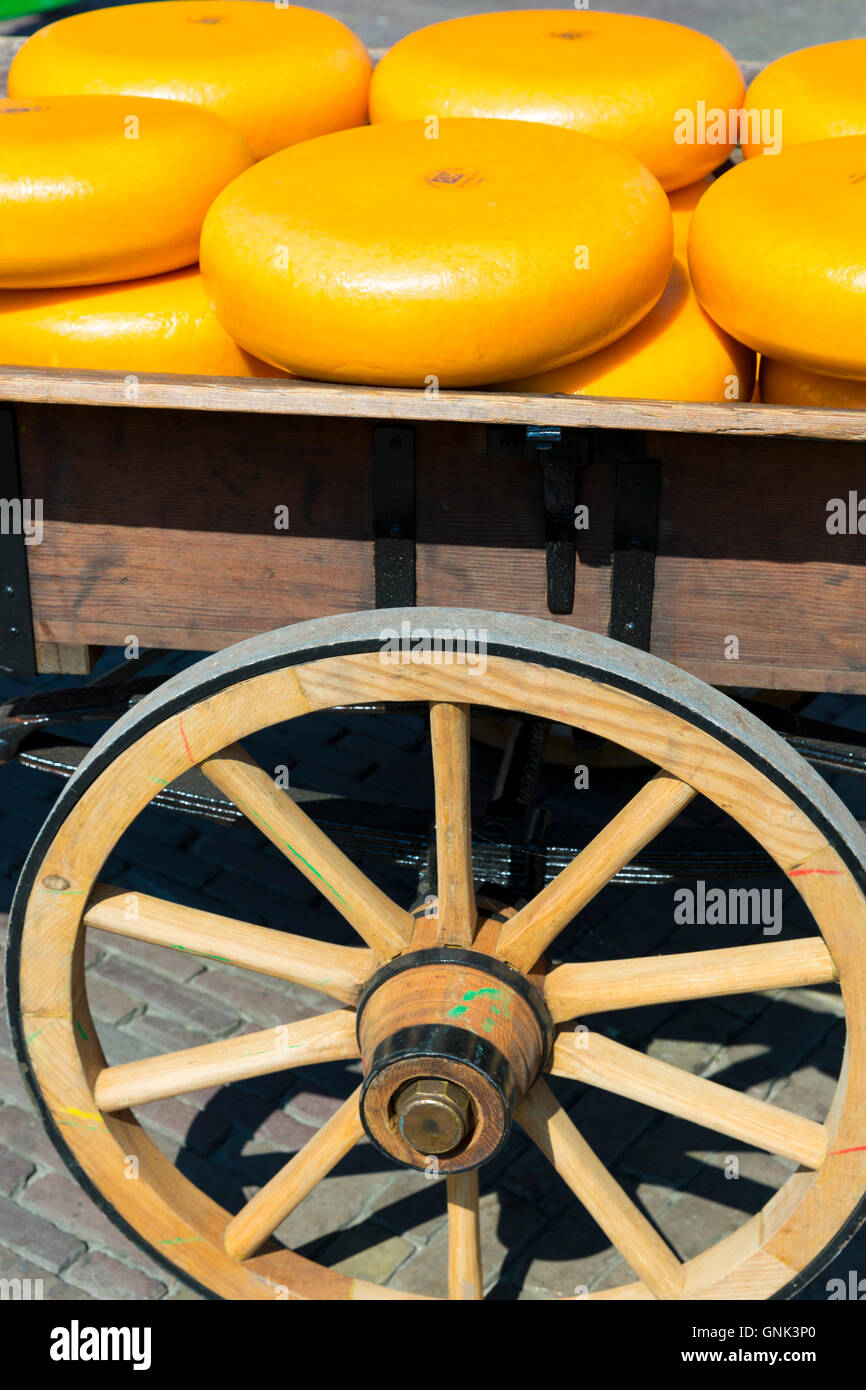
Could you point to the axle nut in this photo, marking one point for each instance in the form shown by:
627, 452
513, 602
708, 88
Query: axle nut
433, 1116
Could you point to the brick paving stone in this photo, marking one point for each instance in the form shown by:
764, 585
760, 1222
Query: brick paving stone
562, 1261
104, 1278
616, 1274
660, 1156
166, 860
22, 1132
505, 1229
14, 1172
43, 1284
773, 1045
255, 861
36, 1239
166, 997
337, 1201
57, 1198
6, 1047
109, 1004
311, 1107
809, 1092
178, 965
12, 1085
159, 1034
699, 1218
195, 1129
267, 1003
251, 900
366, 1252
409, 1203
120, 1046
693, 1038
167, 826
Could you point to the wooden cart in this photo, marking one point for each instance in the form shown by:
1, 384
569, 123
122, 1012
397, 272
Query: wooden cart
559, 562
197, 514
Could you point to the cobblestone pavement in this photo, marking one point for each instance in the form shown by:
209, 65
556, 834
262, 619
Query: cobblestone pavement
369, 1218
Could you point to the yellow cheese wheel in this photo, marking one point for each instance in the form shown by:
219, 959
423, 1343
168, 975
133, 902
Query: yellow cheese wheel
162, 324
637, 82
683, 203
376, 255
676, 353
277, 73
96, 189
784, 384
778, 255
820, 92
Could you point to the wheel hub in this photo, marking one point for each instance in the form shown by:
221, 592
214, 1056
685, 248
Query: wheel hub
451, 1039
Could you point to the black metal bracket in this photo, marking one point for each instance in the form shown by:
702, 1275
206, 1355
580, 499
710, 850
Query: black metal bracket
394, 516
562, 454
17, 646
635, 533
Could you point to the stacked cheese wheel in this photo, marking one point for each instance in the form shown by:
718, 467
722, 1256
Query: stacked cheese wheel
502, 219
799, 297
531, 205
121, 127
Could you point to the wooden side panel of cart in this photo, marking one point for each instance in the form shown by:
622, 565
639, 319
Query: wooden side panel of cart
169, 525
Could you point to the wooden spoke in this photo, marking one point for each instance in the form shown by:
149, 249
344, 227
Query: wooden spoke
384, 926
262, 1215
605, 1063
339, 971
449, 734
465, 1278
622, 1221
532, 929
595, 987
325, 1038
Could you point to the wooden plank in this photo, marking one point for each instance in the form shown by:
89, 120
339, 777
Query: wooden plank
264, 396
164, 526
66, 659
161, 525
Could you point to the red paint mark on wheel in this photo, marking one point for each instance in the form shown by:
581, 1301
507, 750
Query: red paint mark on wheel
185, 741
857, 1149
798, 873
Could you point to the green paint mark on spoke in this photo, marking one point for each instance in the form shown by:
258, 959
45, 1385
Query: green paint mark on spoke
312, 868
207, 954
81, 1031
456, 1011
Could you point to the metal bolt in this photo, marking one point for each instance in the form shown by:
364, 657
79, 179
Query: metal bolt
629, 627
13, 632
8, 589
395, 529
433, 1115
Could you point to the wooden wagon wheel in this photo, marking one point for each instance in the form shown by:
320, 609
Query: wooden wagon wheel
453, 1016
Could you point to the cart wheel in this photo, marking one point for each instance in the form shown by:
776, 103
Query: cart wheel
456, 1017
